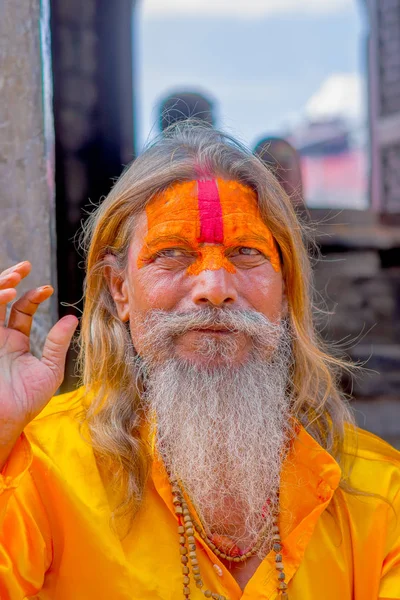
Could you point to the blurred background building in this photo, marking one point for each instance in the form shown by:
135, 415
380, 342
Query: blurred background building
313, 87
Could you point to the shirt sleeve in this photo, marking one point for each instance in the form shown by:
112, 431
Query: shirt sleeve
25, 536
390, 582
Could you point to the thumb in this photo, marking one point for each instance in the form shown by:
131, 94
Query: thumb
57, 344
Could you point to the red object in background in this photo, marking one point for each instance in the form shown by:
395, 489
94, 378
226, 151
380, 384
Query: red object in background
336, 179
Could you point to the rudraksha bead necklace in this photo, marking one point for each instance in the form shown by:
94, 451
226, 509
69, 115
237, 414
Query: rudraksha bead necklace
187, 548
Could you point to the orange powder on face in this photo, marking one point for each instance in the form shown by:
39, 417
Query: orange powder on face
209, 218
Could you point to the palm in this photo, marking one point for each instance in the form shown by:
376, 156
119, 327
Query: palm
27, 383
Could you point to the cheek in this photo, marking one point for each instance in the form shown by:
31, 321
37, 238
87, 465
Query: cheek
263, 289
153, 288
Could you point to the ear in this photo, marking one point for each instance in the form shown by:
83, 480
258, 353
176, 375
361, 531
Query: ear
118, 286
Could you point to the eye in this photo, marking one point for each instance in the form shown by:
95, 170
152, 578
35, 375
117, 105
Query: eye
171, 253
173, 259
245, 257
244, 250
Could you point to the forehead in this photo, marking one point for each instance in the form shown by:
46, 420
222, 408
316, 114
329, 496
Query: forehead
209, 211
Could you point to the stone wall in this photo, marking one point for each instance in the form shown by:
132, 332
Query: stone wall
26, 164
358, 285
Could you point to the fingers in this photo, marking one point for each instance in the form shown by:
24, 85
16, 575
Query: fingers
9, 279
22, 310
57, 343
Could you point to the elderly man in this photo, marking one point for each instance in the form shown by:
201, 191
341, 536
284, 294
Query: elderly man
209, 452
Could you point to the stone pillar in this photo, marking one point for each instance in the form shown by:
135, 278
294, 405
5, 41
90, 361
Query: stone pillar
26, 151
384, 106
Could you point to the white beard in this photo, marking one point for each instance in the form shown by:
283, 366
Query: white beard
222, 430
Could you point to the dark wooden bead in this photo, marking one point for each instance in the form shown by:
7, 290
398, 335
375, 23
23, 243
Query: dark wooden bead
281, 576
277, 547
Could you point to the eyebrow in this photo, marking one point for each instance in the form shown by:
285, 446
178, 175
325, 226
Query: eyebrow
257, 239
165, 239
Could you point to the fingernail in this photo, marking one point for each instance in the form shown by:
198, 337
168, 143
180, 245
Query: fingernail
44, 287
19, 264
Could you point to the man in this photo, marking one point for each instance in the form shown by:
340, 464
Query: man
210, 452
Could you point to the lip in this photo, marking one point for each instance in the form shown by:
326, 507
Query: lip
213, 330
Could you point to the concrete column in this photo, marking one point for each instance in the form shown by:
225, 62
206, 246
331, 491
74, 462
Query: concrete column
27, 210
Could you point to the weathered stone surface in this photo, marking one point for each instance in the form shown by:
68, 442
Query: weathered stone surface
26, 163
361, 297
349, 264
388, 14
381, 416
359, 307
381, 370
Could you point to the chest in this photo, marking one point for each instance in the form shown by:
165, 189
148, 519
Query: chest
243, 572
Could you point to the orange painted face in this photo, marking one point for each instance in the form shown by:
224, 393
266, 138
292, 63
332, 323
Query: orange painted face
209, 218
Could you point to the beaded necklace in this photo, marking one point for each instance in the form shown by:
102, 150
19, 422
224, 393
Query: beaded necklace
187, 548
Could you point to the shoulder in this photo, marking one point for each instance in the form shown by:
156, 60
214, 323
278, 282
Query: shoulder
373, 465
64, 403
60, 419
59, 435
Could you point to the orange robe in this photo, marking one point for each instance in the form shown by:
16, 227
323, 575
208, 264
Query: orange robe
55, 541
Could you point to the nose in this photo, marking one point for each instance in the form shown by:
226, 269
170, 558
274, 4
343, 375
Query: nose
214, 288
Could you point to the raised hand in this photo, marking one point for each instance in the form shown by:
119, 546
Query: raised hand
26, 383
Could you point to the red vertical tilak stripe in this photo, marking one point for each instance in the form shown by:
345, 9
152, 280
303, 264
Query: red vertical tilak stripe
210, 210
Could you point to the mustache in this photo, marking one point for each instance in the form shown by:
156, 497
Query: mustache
233, 320
160, 326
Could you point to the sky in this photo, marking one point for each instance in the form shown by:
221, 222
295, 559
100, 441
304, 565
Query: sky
267, 64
